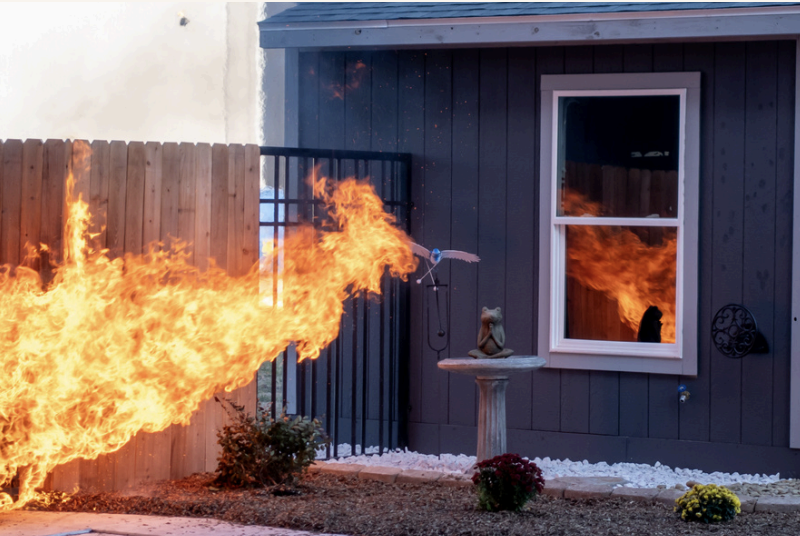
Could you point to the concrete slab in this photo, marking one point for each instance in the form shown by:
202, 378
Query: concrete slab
25, 523
415, 476
635, 494
342, 469
587, 491
777, 504
379, 473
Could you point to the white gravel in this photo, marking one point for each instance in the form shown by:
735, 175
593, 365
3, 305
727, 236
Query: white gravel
638, 475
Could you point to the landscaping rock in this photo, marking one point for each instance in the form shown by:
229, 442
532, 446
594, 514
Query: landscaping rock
380, 473
416, 476
593, 480
748, 503
668, 496
342, 469
456, 480
587, 491
555, 488
316, 467
789, 488
635, 494
777, 504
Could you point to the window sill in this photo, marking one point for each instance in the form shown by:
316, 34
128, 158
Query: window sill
622, 363
644, 350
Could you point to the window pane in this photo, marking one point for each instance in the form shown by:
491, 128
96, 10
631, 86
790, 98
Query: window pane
620, 283
618, 156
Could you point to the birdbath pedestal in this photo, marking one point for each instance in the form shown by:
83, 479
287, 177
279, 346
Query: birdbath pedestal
492, 375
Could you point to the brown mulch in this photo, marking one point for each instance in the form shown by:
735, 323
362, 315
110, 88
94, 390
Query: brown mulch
328, 503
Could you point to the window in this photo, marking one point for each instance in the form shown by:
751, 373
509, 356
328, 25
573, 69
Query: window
619, 222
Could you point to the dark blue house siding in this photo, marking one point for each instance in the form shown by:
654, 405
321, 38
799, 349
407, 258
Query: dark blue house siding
470, 117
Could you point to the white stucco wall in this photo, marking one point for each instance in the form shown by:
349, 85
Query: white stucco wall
130, 71
274, 81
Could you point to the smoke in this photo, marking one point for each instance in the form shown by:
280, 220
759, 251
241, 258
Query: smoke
119, 71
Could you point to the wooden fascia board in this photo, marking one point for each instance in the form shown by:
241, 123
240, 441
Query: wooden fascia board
534, 31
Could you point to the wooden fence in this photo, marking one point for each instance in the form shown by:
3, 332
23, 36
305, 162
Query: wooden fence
138, 193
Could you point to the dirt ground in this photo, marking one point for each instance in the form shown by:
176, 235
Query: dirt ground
333, 504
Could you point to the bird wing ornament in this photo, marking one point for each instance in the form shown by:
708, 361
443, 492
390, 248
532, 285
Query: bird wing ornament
435, 256
460, 255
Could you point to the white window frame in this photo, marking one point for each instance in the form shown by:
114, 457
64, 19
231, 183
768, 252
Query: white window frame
558, 351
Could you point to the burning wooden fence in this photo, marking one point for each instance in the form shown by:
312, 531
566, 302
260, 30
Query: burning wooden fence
138, 193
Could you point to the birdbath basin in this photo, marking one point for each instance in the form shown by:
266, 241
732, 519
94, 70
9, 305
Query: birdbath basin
492, 376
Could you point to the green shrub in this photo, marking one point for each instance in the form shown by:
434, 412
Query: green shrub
708, 504
507, 482
265, 451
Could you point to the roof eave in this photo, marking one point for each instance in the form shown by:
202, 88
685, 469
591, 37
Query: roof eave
717, 24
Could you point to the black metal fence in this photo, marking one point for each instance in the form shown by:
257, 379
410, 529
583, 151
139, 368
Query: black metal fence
358, 387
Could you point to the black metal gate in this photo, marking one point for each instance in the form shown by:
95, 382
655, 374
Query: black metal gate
359, 385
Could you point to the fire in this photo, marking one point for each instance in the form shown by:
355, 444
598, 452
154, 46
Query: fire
114, 346
619, 263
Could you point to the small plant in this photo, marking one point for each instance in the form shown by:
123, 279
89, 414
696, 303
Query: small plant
507, 482
264, 451
708, 504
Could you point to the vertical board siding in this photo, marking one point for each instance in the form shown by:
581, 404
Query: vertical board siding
694, 418
475, 178
411, 139
758, 262
138, 194
357, 125
438, 177
783, 244
492, 153
520, 222
384, 137
464, 309
727, 232
546, 383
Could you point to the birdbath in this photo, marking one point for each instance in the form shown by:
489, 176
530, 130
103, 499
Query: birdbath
492, 375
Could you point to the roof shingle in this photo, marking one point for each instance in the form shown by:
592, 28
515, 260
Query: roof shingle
365, 11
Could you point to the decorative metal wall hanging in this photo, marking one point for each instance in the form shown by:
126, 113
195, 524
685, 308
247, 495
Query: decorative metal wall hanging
735, 332
440, 296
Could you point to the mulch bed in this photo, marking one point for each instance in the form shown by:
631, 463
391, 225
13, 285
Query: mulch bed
328, 503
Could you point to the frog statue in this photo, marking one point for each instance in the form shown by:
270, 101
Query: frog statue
492, 337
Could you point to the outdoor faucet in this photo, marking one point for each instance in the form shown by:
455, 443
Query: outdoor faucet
683, 394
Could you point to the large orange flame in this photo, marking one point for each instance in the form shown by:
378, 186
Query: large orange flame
112, 347
619, 263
